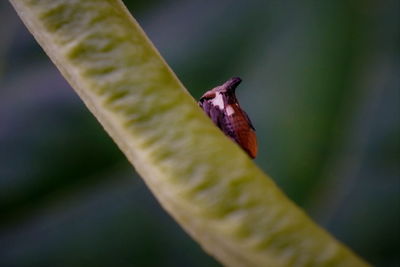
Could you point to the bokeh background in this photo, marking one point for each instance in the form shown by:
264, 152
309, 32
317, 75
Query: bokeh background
320, 82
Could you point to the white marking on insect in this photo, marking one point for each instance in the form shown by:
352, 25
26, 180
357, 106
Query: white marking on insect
218, 101
229, 110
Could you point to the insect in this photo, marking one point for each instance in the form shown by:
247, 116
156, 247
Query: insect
221, 105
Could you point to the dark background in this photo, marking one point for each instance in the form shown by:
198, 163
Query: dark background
320, 82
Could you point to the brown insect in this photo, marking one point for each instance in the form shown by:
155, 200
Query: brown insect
221, 105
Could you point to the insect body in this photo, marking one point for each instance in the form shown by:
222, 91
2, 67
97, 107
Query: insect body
221, 105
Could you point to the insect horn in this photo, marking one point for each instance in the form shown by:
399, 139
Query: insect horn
232, 83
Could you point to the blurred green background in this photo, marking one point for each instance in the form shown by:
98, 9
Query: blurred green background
320, 82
